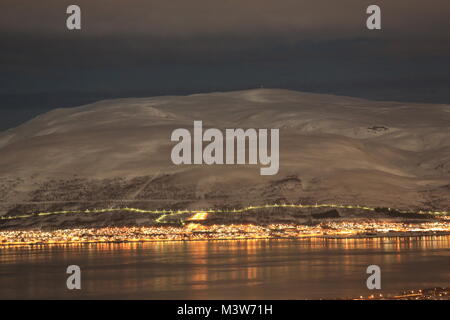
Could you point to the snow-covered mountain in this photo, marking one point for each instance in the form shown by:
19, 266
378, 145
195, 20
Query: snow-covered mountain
332, 149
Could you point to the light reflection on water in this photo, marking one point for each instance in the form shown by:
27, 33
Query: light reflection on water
250, 269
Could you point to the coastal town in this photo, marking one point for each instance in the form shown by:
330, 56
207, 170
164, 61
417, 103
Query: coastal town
196, 229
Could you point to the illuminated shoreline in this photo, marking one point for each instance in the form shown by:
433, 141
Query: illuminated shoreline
436, 293
199, 232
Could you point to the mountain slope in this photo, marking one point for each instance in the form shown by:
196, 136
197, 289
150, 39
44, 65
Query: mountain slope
332, 149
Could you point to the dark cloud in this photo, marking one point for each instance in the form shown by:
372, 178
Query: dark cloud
148, 47
131, 32
291, 18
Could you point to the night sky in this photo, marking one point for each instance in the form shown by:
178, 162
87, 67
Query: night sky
154, 47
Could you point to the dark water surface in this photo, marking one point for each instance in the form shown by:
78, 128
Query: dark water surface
252, 269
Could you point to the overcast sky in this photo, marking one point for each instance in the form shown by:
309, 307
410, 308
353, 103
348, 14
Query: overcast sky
145, 47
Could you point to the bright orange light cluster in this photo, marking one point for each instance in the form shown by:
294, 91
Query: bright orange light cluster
199, 216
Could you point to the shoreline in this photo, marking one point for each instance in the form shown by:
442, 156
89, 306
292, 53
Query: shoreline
305, 237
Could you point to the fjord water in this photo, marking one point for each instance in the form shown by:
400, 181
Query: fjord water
252, 269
